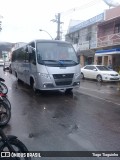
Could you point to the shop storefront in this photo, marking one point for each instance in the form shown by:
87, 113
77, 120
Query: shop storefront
109, 57
86, 57
89, 60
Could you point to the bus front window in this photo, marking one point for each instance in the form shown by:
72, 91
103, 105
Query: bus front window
53, 52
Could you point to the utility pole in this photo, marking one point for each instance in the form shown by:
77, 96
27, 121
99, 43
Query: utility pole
58, 27
0, 25
58, 21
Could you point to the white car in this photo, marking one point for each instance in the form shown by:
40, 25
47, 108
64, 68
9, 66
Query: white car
99, 72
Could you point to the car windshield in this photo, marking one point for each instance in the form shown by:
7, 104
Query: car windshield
102, 68
56, 54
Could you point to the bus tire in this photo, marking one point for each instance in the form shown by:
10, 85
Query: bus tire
32, 84
16, 74
18, 80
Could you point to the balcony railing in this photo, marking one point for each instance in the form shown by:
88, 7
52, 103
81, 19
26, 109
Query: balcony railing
86, 45
110, 40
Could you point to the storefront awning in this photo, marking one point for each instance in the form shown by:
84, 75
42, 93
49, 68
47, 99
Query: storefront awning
107, 52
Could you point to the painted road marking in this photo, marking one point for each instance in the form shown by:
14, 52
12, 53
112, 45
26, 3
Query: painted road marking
110, 100
95, 90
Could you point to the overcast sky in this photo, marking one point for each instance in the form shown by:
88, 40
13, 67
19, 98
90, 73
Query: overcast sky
22, 19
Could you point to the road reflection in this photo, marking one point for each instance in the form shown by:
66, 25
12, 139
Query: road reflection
99, 85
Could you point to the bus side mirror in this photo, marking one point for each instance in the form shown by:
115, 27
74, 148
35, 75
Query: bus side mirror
29, 49
26, 49
32, 58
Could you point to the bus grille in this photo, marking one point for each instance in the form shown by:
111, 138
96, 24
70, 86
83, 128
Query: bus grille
63, 79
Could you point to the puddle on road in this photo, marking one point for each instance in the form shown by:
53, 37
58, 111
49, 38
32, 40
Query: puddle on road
71, 127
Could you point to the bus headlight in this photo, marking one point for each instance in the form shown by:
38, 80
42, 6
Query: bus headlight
77, 75
44, 75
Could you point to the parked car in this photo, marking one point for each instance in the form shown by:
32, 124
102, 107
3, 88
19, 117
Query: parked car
99, 72
1, 62
6, 65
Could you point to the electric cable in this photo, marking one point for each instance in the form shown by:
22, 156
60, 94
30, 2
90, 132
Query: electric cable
90, 4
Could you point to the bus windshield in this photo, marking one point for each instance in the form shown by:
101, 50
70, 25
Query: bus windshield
56, 54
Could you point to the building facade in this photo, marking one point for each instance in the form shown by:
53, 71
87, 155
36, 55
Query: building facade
84, 38
97, 40
108, 40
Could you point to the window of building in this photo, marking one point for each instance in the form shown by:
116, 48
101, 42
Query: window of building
89, 60
88, 37
76, 40
99, 60
117, 28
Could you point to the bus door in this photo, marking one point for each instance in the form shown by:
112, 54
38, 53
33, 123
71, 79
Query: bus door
20, 64
31, 69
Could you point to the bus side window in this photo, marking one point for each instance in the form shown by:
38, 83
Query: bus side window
32, 58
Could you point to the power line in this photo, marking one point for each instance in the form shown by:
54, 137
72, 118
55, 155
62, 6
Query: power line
58, 16
87, 5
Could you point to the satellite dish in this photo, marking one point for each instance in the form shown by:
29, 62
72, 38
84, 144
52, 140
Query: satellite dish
112, 3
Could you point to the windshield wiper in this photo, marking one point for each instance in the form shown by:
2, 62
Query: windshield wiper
51, 60
62, 62
69, 61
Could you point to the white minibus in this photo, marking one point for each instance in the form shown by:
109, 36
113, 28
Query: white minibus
47, 65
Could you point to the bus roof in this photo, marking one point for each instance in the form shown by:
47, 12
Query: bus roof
47, 40
43, 40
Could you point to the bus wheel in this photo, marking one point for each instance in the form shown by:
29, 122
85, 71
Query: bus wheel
32, 84
18, 80
15, 74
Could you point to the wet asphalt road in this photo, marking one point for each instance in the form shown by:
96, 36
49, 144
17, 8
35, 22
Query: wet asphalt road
87, 120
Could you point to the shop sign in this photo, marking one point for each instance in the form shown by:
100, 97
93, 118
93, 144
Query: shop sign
87, 45
90, 21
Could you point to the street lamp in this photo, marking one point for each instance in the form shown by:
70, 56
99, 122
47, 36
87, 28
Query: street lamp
46, 32
1, 22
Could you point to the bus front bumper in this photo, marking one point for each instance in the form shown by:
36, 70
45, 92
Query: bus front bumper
51, 86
